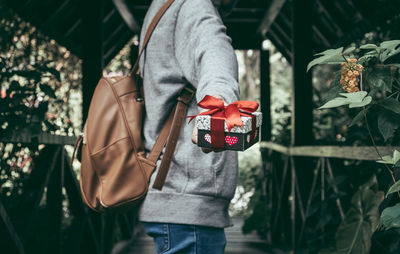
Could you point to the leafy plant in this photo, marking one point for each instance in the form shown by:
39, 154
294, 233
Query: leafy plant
354, 100
369, 81
354, 233
390, 217
36, 80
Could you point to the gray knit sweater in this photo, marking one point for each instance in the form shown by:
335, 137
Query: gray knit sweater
188, 45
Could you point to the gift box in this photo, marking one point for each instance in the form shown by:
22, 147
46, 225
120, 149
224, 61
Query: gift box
238, 138
233, 127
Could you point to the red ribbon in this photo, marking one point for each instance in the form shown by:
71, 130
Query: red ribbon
220, 114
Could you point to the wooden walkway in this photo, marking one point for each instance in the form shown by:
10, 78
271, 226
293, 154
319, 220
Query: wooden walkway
237, 243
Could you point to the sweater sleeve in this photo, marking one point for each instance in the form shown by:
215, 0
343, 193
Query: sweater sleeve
204, 51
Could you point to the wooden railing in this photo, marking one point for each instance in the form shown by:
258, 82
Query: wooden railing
281, 185
90, 232
53, 178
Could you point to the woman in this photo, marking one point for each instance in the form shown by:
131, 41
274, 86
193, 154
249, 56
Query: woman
188, 45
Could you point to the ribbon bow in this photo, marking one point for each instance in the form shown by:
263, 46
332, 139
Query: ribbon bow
220, 114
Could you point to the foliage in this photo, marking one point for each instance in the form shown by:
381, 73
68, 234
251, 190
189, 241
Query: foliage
354, 233
249, 80
379, 84
390, 217
249, 201
251, 179
388, 159
249, 176
39, 91
37, 77
354, 100
373, 87
394, 188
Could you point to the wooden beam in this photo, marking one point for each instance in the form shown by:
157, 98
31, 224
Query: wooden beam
282, 48
92, 49
43, 138
227, 7
127, 15
113, 36
56, 14
8, 234
270, 16
284, 35
362, 153
241, 20
117, 47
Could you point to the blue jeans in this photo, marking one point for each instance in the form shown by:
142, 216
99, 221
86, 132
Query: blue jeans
186, 239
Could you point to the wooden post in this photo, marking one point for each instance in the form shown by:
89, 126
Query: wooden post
81, 237
302, 106
92, 67
265, 97
302, 83
265, 101
92, 49
9, 237
54, 206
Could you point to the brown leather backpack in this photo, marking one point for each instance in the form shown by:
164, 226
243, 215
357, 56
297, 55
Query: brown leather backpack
115, 172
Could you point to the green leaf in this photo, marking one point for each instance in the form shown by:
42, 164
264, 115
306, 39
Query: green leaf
381, 78
367, 100
394, 188
357, 118
387, 159
330, 52
47, 90
335, 88
386, 54
396, 156
390, 217
349, 50
337, 102
390, 44
366, 57
330, 56
386, 126
357, 99
354, 233
391, 48
391, 104
326, 59
369, 46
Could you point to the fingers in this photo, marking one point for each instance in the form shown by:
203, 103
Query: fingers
195, 135
209, 150
206, 150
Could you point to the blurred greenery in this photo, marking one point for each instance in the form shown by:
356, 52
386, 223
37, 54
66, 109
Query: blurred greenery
40, 81
375, 122
40, 92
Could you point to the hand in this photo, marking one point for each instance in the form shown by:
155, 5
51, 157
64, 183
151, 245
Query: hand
195, 133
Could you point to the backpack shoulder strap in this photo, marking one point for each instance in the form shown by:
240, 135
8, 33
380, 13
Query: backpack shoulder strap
152, 26
169, 136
